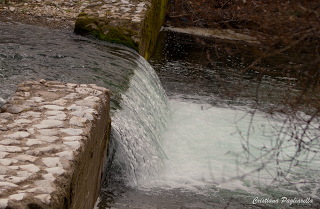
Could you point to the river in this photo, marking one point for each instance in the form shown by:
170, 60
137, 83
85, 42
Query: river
176, 140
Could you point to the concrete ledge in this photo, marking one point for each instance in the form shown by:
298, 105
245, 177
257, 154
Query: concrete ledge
53, 142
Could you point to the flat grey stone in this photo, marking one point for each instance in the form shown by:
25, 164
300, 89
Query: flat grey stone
59, 102
54, 123
44, 198
13, 167
49, 177
3, 203
71, 85
49, 148
17, 135
82, 114
59, 86
65, 154
47, 138
13, 149
48, 94
6, 115
57, 170
48, 132
31, 130
52, 162
92, 98
3, 170
2, 148
74, 144
72, 138
7, 185
72, 96
24, 158
78, 121
9, 141
18, 196
37, 99
49, 124
14, 109
29, 103
72, 131
3, 120
30, 114
22, 121
32, 142
41, 126
84, 90
44, 187
3, 154
30, 167
16, 180
24, 174
54, 112
25, 148
88, 116
86, 103
91, 111
74, 107
56, 115
5, 162
54, 107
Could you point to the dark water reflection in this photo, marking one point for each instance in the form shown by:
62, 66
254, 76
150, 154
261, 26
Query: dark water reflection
184, 68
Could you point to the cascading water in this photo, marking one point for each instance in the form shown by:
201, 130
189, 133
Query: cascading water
138, 126
182, 153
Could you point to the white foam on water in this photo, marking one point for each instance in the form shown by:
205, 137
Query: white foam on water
204, 147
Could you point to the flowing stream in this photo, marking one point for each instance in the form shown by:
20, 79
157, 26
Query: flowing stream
184, 150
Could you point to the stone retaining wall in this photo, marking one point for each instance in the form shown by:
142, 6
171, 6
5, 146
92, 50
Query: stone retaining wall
53, 142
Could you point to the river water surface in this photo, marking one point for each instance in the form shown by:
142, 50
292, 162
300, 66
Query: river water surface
177, 142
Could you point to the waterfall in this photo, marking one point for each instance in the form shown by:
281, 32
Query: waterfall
138, 126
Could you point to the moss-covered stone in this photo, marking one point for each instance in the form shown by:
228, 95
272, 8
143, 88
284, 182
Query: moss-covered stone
151, 27
102, 29
138, 28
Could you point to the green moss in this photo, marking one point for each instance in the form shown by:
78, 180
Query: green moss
151, 27
92, 26
99, 27
81, 25
120, 35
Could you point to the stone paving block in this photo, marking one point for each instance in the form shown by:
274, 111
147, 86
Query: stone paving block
53, 142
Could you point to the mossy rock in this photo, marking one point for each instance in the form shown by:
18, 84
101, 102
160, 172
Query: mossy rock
100, 28
151, 27
140, 36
